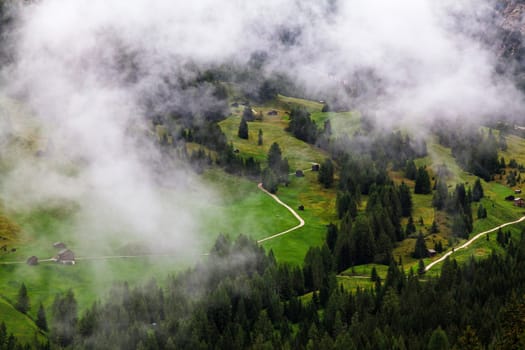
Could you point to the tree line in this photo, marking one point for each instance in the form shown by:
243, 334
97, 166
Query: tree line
241, 298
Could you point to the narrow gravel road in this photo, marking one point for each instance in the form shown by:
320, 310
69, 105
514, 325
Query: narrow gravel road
467, 243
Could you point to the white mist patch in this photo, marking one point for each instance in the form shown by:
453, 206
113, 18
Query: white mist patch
83, 68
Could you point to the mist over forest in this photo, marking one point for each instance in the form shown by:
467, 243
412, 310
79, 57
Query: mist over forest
265, 174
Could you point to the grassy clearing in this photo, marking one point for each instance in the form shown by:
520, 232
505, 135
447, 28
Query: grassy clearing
352, 283
90, 280
343, 123
319, 203
245, 209
300, 154
515, 147
319, 211
292, 102
366, 270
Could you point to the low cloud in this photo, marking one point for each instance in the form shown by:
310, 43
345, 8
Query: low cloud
87, 68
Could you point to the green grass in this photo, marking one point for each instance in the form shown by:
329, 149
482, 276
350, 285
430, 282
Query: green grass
300, 154
343, 123
292, 102
365, 270
19, 324
319, 211
242, 209
319, 203
245, 209
352, 283
515, 147
90, 280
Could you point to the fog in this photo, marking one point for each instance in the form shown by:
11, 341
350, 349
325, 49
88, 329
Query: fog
84, 69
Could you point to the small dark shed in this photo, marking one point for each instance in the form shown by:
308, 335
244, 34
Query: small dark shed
517, 191
59, 245
519, 202
301, 207
299, 173
315, 167
272, 112
431, 252
235, 104
33, 260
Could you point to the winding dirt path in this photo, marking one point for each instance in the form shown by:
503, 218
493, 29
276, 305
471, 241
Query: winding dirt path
469, 242
294, 213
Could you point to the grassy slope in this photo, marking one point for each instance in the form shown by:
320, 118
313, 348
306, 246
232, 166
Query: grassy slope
499, 211
22, 327
318, 202
247, 210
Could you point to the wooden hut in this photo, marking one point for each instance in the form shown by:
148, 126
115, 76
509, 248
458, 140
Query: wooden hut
32, 260
65, 256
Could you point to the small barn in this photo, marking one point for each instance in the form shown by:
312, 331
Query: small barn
299, 173
519, 202
59, 245
509, 198
272, 112
65, 256
517, 191
431, 252
32, 260
315, 167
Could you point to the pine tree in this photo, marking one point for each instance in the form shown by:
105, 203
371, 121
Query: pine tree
243, 129
260, 138
326, 173
477, 191
364, 240
411, 170
64, 311
406, 199
421, 267
411, 227
422, 182
22, 301
434, 228
469, 340
270, 180
274, 156
482, 212
420, 248
374, 277
438, 340
41, 320
331, 236
440, 196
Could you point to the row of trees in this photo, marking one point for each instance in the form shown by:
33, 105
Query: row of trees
458, 204
369, 236
474, 306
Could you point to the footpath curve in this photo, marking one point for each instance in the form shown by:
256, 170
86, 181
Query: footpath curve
467, 243
294, 213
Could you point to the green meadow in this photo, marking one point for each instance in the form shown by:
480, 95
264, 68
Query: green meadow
237, 207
